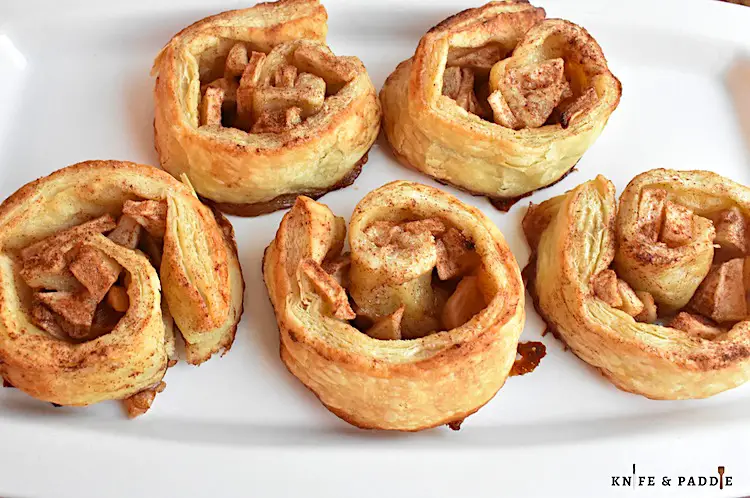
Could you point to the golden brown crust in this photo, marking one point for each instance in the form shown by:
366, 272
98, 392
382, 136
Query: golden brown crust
445, 376
199, 253
574, 251
501, 203
431, 132
286, 200
262, 166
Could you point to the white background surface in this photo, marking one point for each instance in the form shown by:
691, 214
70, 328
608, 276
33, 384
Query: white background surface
75, 85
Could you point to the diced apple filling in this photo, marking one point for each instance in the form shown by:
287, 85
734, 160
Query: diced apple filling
696, 325
618, 294
76, 292
721, 295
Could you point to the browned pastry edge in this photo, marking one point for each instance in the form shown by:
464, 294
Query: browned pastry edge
285, 200
528, 275
228, 15
453, 422
228, 231
505, 203
466, 14
500, 203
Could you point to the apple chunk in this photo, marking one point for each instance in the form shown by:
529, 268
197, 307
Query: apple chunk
721, 295
731, 233
677, 229
695, 325
616, 293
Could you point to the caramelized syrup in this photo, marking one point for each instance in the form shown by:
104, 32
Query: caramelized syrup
531, 354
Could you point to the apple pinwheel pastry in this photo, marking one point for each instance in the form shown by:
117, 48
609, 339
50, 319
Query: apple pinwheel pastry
255, 108
499, 101
416, 326
85, 255
653, 294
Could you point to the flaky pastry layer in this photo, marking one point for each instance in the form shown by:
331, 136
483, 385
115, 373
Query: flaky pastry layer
463, 142
577, 236
199, 275
406, 385
246, 171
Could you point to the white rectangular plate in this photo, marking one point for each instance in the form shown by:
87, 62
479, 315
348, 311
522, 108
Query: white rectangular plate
75, 85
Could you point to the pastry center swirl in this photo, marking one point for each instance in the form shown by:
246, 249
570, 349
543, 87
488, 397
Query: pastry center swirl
405, 280
78, 292
272, 93
708, 253
516, 94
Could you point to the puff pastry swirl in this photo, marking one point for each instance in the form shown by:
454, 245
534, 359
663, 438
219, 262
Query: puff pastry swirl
653, 294
499, 101
255, 108
82, 317
431, 282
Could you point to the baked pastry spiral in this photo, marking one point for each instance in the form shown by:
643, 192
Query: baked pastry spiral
416, 327
653, 294
255, 108
82, 317
499, 101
